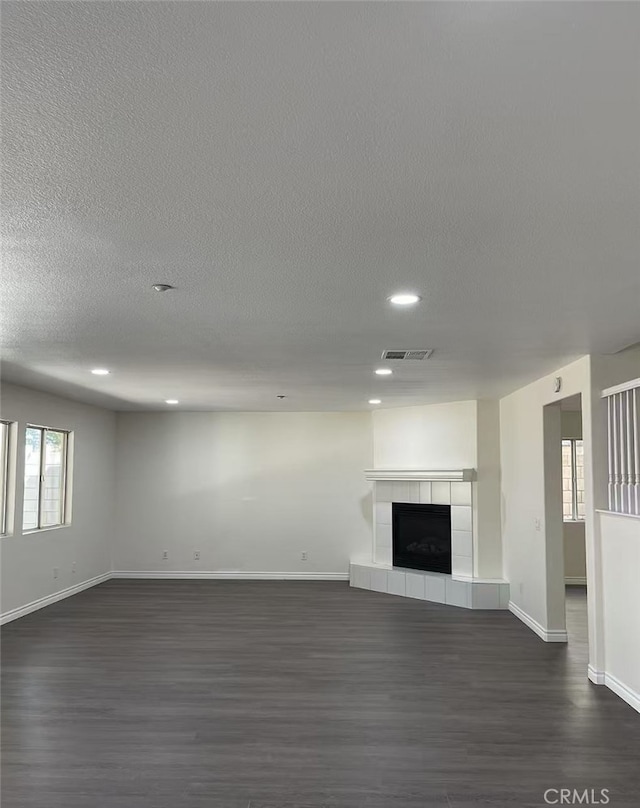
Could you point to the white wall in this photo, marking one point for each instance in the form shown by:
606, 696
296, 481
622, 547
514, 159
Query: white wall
488, 533
28, 560
575, 555
528, 550
249, 491
611, 552
620, 557
434, 436
571, 424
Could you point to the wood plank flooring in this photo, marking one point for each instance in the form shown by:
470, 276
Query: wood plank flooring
220, 694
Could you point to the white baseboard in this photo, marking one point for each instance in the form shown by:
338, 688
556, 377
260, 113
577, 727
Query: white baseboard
597, 677
21, 611
548, 635
632, 697
575, 581
231, 575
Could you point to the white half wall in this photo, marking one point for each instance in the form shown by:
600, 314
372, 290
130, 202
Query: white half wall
28, 561
606, 371
250, 492
620, 554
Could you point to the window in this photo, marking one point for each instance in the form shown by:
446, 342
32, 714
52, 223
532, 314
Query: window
4, 476
45, 477
573, 480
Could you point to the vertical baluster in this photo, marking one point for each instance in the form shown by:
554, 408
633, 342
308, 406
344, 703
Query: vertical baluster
621, 452
628, 450
610, 486
623, 439
636, 449
616, 466
624, 469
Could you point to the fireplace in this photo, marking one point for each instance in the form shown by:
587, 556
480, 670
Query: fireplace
421, 536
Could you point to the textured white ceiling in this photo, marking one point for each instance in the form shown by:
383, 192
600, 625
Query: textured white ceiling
287, 166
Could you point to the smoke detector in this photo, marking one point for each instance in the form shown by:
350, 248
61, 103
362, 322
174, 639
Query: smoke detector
409, 354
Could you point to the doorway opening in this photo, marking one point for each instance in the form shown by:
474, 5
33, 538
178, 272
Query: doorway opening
565, 513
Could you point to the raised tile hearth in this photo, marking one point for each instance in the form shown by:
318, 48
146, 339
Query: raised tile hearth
468, 593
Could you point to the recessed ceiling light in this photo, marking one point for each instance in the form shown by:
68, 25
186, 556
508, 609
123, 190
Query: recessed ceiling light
100, 372
172, 401
375, 401
162, 287
404, 299
384, 372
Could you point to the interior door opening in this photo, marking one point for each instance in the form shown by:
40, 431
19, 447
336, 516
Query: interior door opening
565, 513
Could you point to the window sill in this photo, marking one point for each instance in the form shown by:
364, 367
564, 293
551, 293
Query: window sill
574, 521
36, 530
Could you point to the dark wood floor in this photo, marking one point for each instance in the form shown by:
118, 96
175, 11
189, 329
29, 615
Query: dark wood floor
215, 694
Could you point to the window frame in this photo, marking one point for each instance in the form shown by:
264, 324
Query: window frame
574, 481
64, 505
5, 456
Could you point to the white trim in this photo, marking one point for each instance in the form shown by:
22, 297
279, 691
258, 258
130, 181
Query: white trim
614, 684
620, 689
231, 575
435, 475
597, 677
548, 635
34, 531
21, 611
618, 513
575, 580
620, 388
470, 579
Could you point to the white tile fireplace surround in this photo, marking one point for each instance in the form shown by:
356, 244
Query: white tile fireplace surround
427, 487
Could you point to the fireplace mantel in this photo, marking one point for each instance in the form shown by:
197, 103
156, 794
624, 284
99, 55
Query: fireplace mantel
421, 475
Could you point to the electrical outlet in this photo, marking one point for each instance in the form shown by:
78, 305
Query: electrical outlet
55, 572
73, 568
538, 524
165, 555
196, 555
304, 555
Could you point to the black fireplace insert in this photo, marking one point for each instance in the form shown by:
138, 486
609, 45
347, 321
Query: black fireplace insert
421, 536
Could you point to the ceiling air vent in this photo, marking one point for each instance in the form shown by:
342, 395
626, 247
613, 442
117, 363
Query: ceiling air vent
407, 354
